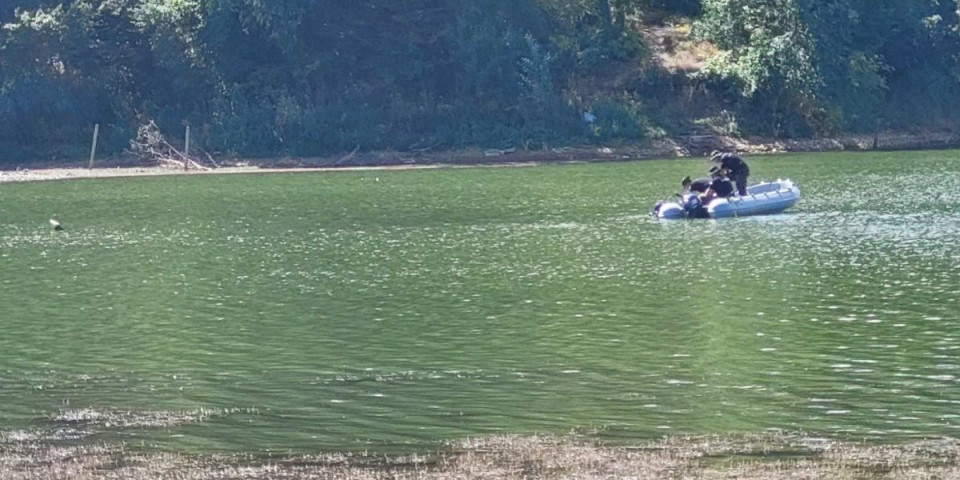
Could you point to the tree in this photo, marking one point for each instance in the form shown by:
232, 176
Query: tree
885, 62
768, 54
59, 78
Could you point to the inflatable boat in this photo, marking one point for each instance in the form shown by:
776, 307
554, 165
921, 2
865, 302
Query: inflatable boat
761, 199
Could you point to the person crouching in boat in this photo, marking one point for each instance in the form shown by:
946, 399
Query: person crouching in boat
720, 186
699, 185
736, 168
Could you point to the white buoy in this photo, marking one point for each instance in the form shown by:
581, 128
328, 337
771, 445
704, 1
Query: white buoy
55, 225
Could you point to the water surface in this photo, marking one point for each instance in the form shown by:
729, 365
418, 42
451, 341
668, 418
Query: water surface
395, 310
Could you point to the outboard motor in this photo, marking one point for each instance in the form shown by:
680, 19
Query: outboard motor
686, 206
693, 207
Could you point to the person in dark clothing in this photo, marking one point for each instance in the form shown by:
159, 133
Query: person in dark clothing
699, 185
737, 169
720, 186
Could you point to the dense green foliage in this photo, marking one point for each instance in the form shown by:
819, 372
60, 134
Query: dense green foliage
310, 77
821, 66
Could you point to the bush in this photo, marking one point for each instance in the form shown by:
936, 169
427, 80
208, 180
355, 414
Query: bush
617, 121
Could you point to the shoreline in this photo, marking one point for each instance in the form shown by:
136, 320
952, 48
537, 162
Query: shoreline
760, 456
685, 147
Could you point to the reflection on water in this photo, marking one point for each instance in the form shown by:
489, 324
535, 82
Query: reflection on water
434, 305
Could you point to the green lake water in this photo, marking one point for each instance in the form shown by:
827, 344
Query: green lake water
395, 310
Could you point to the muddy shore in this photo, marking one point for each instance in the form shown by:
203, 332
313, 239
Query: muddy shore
750, 457
89, 444
690, 146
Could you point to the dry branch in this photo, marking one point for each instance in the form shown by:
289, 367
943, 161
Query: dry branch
151, 146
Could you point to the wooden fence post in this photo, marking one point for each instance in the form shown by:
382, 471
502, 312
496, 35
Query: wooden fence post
186, 149
93, 148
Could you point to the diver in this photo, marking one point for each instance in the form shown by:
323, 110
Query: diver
736, 168
699, 185
720, 186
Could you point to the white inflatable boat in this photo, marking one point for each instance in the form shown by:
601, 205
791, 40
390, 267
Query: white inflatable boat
761, 199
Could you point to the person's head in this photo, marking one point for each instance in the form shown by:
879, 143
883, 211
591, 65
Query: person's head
716, 155
716, 172
686, 182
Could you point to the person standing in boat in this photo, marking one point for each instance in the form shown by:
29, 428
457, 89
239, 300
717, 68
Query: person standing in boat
736, 169
699, 185
720, 186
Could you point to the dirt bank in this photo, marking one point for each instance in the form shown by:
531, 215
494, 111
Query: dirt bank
692, 145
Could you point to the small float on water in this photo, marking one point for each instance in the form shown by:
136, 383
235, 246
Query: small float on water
762, 199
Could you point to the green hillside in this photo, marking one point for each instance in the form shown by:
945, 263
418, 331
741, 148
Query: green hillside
318, 77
